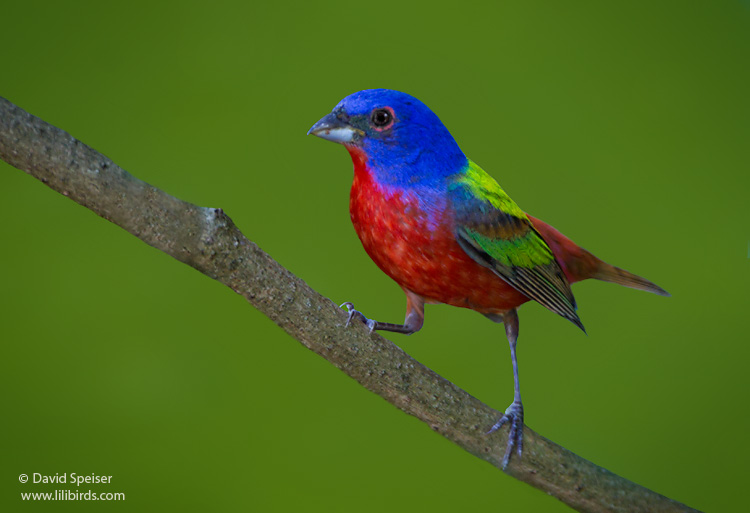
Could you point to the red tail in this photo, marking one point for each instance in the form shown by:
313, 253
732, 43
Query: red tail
613, 274
578, 264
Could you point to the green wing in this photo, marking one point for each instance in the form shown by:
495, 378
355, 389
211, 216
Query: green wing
496, 233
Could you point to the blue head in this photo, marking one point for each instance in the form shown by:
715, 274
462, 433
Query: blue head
404, 141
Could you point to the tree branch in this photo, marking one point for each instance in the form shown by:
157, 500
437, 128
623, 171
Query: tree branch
206, 239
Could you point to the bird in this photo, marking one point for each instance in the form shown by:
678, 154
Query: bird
447, 233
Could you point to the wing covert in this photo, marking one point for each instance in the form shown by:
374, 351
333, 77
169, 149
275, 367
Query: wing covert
496, 233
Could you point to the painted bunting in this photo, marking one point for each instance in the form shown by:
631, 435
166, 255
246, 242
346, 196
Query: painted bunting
445, 230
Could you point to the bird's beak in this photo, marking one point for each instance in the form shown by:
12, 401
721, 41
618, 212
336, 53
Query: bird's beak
334, 129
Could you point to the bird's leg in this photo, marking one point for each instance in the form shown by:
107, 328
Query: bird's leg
514, 412
413, 322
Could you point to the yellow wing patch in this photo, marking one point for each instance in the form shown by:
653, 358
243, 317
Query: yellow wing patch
484, 187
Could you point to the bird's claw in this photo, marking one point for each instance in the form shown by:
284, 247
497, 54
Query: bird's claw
357, 314
513, 416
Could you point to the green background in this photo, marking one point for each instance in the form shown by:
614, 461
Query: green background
623, 124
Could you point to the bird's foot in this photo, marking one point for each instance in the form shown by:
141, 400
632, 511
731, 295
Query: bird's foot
513, 416
356, 314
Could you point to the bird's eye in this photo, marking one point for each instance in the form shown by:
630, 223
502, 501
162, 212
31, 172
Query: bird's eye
381, 117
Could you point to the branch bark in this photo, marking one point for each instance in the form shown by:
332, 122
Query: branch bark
206, 239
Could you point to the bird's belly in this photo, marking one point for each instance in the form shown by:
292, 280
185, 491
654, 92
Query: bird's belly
419, 251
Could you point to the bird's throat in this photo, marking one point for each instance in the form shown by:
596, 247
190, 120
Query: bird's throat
359, 157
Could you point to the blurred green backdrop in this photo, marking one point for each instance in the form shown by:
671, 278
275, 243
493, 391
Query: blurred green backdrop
625, 125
